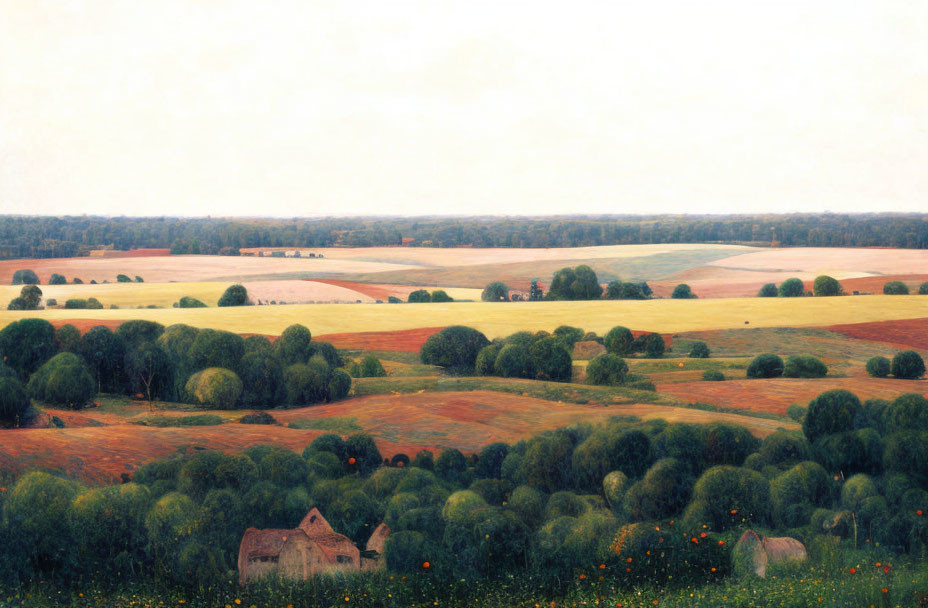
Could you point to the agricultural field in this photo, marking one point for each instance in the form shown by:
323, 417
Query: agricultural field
416, 407
497, 320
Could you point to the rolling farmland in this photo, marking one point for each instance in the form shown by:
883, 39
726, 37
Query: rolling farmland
496, 320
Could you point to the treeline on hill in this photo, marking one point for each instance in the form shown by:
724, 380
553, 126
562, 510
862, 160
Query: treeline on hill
635, 502
45, 237
212, 368
541, 355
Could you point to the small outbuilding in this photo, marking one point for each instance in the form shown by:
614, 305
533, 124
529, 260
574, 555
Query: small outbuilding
753, 553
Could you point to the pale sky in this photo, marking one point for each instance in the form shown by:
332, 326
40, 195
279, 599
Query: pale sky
305, 108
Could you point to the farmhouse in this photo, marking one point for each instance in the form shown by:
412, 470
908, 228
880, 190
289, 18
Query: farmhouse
310, 549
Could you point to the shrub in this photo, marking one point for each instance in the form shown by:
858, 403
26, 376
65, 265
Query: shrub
908, 365
856, 490
262, 379
662, 492
235, 295
682, 292
257, 418
57, 279
63, 380
439, 295
579, 283
327, 442
796, 412
486, 360
495, 292
394, 300
784, 447
570, 335
27, 344
607, 369
450, 465
490, 462
546, 463
51, 302
339, 385
121, 278
137, 332
454, 348
14, 401
216, 348
896, 288
726, 444
528, 503
795, 494
25, 277
68, 337
726, 497
654, 347
294, 345
908, 411
371, 367
618, 341
878, 367
830, 412
713, 375
188, 302
791, 288
907, 452
215, 387
923, 289
306, 384
406, 551
825, 285
768, 291
419, 296
365, 453
804, 366
699, 350
551, 360
765, 366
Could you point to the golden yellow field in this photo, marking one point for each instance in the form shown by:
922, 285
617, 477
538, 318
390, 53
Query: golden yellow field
665, 316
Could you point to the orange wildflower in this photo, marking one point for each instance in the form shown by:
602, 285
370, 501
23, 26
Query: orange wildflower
426, 565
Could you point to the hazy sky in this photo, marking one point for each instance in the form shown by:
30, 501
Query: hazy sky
162, 107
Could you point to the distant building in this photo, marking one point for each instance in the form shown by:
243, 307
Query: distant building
310, 549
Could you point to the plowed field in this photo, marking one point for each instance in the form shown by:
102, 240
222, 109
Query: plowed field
399, 423
775, 395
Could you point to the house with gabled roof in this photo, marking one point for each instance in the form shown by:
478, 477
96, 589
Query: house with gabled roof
312, 548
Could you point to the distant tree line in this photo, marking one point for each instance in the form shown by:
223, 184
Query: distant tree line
46, 237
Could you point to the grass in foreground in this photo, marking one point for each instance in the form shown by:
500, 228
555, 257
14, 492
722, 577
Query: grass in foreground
847, 578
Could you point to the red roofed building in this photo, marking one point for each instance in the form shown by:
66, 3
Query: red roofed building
310, 549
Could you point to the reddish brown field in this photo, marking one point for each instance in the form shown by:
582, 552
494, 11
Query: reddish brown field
907, 333
409, 340
398, 423
372, 290
775, 395
875, 284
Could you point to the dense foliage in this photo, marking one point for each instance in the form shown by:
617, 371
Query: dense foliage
47, 237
